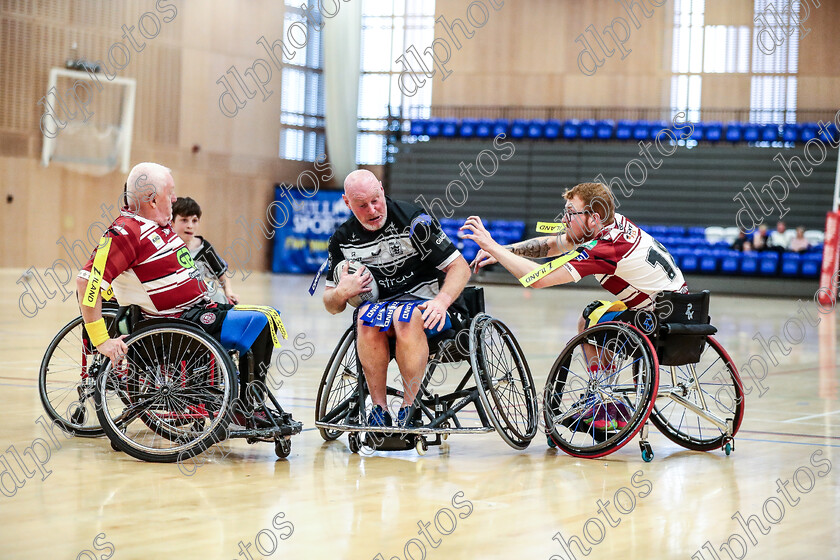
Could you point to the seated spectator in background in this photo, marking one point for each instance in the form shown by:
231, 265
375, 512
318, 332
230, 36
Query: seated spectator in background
747, 246
759, 238
799, 244
780, 239
186, 217
738, 245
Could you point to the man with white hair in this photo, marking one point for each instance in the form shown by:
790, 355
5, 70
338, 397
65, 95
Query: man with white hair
142, 261
413, 263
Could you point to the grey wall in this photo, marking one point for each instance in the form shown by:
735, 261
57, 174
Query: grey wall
693, 187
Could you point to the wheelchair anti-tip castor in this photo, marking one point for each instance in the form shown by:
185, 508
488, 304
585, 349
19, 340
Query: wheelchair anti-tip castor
727, 448
550, 442
647, 452
282, 447
355, 444
421, 446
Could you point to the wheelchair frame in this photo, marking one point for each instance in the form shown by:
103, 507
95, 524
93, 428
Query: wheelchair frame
262, 422
672, 350
439, 411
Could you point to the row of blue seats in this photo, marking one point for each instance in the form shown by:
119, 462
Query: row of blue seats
749, 263
574, 129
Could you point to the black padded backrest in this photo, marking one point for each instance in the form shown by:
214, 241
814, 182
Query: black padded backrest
474, 300
672, 307
127, 318
676, 347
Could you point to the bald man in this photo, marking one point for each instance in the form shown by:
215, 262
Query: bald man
416, 266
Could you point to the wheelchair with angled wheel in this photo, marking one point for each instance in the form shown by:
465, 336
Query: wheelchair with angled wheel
502, 395
613, 377
175, 393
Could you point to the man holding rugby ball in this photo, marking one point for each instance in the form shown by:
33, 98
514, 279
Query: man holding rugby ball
419, 275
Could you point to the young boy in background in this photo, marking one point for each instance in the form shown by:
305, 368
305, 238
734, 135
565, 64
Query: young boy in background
186, 217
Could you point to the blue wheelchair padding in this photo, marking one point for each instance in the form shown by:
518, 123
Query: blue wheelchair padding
608, 316
241, 328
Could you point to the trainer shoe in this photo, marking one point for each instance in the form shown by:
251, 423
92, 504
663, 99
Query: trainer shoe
406, 421
379, 418
610, 416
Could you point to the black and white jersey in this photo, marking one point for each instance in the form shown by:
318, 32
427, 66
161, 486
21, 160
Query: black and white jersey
406, 256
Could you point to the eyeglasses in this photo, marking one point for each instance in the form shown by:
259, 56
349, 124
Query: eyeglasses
568, 212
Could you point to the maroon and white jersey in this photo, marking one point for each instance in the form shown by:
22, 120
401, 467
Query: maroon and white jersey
148, 265
629, 263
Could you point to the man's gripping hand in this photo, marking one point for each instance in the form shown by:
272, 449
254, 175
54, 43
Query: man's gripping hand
113, 348
434, 313
351, 285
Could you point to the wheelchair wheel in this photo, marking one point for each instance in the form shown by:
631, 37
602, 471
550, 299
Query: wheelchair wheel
338, 385
504, 381
600, 390
66, 380
170, 397
714, 387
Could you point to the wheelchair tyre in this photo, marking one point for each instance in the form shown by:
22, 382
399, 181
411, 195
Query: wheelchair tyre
622, 391
66, 380
504, 381
174, 380
718, 387
339, 384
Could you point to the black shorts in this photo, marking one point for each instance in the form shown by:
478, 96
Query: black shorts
209, 317
643, 320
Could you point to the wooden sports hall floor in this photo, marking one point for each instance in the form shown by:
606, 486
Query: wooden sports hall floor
501, 503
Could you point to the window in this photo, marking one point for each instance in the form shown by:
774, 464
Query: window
776, 40
389, 28
687, 57
302, 135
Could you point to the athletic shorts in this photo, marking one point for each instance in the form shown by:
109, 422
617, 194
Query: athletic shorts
600, 311
383, 314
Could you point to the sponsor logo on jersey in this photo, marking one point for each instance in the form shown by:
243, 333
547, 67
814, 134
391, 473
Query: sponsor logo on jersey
631, 234
583, 256
156, 241
184, 258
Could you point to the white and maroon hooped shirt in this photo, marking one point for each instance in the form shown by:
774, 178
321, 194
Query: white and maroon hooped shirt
629, 263
148, 265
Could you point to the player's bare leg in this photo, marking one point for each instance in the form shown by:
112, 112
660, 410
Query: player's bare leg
372, 347
412, 355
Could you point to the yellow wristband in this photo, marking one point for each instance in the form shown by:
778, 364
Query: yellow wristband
97, 332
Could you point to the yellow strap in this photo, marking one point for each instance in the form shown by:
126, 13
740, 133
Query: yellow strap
97, 332
551, 266
274, 321
550, 227
96, 272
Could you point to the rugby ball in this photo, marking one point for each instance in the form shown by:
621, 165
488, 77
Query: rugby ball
351, 267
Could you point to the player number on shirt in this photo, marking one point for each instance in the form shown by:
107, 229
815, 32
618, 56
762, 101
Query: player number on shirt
661, 257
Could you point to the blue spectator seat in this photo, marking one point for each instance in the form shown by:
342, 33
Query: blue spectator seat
689, 263
587, 129
624, 130
535, 129
641, 130
418, 128
571, 129
708, 261
808, 132
552, 129
714, 131
675, 231
811, 265
791, 263
698, 134
752, 132
729, 264
768, 264
697, 232
734, 132
658, 231
483, 128
604, 129
500, 126
433, 127
469, 249
769, 133
749, 262
449, 128
790, 132
518, 128
829, 135
468, 128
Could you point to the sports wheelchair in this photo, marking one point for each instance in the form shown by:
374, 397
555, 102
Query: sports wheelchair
611, 378
173, 395
504, 396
